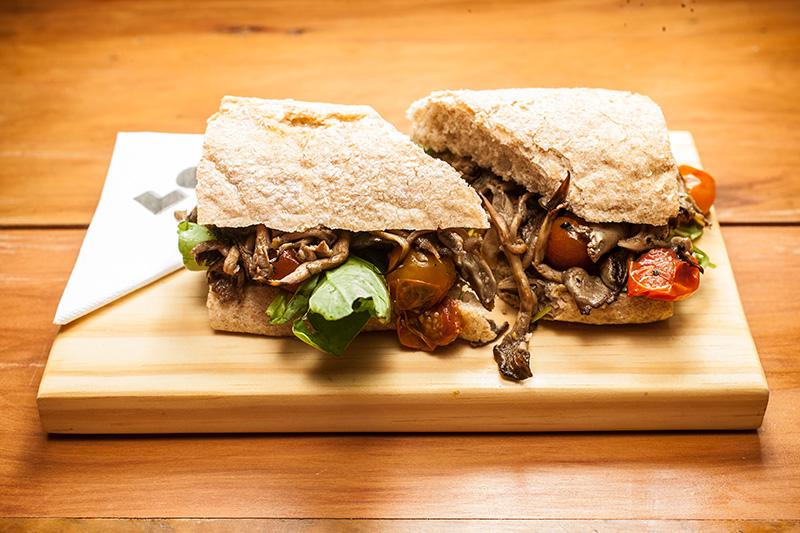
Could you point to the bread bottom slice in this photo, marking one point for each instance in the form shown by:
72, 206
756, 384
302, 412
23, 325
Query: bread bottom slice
625, 310
249, 316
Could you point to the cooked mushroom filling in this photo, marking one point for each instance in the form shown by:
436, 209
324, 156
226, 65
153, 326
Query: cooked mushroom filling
256, 254
589, 259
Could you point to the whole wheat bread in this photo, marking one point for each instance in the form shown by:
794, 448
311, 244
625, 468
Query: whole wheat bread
248, 315
614, 144
293, 165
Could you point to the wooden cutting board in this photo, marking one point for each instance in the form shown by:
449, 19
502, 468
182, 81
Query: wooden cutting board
149, 363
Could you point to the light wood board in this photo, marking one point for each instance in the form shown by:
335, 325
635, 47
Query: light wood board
149, 363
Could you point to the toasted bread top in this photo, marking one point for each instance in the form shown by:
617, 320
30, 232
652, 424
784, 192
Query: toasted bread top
614, 144
294, 165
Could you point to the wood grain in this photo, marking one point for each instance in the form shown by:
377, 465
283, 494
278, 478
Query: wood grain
747, 475
727, 71
78, 525
150, 363
74, 73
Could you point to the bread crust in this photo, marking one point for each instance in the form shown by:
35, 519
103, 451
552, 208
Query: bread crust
614, 144
248, 315
277, 162
625, 310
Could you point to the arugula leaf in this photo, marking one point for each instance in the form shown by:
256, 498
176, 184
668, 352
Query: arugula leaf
280, 311
276, 311
355, 285
341, 302
330, 336
189, 236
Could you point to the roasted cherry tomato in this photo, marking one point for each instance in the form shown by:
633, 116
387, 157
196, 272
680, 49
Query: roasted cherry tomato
434, 327
420, 281
285, 264
701, 186
659, 274
394, 257
566, 248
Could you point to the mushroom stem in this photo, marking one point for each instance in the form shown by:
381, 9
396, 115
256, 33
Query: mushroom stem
339, 254
512, 355
405, 246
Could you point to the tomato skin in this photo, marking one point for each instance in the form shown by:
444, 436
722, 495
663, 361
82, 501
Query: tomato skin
659, 275
286, 264
566, 248
426, 316
701, 185
437, 326
420, 282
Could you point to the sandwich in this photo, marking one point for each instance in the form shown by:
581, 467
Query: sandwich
320, 221
591, 218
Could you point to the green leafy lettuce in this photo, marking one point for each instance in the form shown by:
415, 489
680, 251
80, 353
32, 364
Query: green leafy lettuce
189, 236
331, 308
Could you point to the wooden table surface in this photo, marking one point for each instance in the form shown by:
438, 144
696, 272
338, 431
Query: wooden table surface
75, 73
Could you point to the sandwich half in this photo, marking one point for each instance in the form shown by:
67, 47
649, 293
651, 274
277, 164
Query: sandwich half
580, 184
321, 220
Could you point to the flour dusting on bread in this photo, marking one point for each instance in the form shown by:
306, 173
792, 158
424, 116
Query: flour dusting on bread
614, 144
277, 162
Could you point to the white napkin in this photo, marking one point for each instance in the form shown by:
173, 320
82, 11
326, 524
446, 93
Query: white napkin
132, 239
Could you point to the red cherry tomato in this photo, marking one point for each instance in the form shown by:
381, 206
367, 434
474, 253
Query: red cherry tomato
566, 248
437, 326
420, 282
701, 186
659, 274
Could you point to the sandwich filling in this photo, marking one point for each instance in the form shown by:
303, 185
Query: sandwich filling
549, 254
586, 201
298, 205
334, 281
